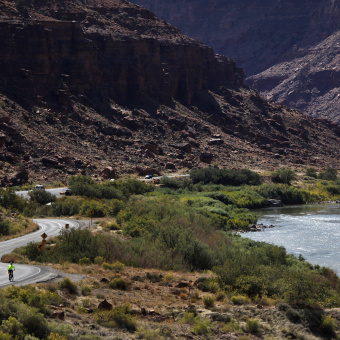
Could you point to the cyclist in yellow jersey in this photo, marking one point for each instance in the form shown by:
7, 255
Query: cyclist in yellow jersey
11, 268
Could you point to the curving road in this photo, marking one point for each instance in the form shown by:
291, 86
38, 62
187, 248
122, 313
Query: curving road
25, 274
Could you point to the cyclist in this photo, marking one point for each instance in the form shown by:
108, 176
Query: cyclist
11, 268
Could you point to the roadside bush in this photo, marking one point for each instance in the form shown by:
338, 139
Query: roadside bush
4, 227
85, 186
69, 285
176, 183
91, 205
66, 206
32, 251
42, 196
225, 176
283, 175
9, 200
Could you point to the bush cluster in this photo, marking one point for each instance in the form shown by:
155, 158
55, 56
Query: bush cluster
225, 176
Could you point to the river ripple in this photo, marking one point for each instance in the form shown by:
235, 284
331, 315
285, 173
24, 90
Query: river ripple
310, 230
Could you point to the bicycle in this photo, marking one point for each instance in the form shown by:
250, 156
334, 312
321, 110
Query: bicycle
10, 275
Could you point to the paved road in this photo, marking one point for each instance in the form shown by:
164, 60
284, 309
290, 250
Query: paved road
25, 274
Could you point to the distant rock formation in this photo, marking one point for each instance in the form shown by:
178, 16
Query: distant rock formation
289, 49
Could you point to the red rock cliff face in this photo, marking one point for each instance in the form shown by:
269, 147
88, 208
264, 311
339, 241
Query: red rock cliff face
52, 58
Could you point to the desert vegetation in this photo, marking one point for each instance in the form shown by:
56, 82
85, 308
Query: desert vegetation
181, 226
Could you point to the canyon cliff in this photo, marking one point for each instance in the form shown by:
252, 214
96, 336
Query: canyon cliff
108, 88
264, 35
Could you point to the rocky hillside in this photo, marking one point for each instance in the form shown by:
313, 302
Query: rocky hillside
309, 83
86, 85
278, 43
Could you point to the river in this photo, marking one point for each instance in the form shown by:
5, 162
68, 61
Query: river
310, 230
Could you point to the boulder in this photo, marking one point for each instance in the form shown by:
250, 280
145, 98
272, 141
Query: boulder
216, 141
274, 203
2, 140
170, 166
108, 172
50, 161
105, 305
58, 315
206, 157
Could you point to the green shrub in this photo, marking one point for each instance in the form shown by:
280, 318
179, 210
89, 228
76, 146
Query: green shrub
66, 206
85, 260
86, 290
12, 326
310, 172
117, 266
283, 175
293, 315
201, 327
240, 300
225, 176
89, 337
188, 318
60, 328
118, 283
106, 265
33, 321
330, 174
42, 196
252, 326
68, 285
328, 325
98, 260
208, 301
117, 317
4, 227
32, 251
